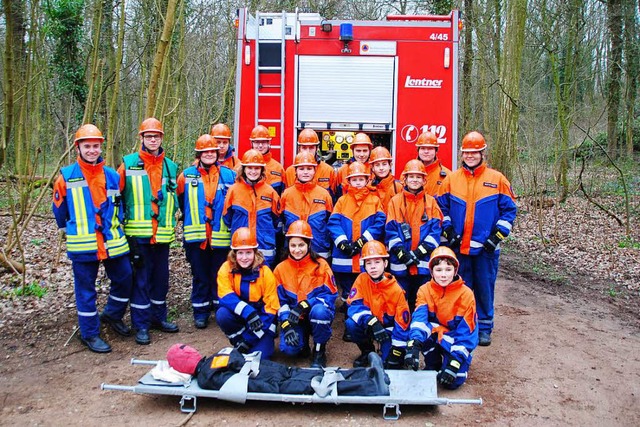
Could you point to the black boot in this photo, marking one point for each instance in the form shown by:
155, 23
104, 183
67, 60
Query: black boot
319, 356
365, 347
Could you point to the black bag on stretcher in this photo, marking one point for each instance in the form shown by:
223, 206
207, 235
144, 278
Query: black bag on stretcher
266, 376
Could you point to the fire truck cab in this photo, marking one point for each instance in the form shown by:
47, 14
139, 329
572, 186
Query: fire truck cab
391, 79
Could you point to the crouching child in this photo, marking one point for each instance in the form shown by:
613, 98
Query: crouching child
444, 328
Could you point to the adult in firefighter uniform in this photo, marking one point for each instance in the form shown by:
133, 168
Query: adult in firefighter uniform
427, 146
87, 207
307, 293
261, 141
148, 182
325, 176
414, 226
383, 181
253, 203
361, 148
202, 188
443, 327
378, 310
308, 201
248, 296
357, 218
226, 152
479, 209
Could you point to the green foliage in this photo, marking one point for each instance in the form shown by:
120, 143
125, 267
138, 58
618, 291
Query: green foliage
628, 242
63, 27
37, 242
34, 289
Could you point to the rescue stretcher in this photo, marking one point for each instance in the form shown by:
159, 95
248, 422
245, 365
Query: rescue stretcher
405, 388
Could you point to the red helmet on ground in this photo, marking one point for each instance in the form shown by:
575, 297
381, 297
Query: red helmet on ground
252, 158
427, 139
443, 252
305, 159
183, 358
220, 131
414, 166
473, 141
243, 238
362, 139
87, 131
206, 142
260, 133
374, 249
300, 228
379, 154
151, 125
308, 137
357, 169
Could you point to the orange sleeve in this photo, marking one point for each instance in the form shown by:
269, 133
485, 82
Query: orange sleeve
121, 172
59, 191
270, 292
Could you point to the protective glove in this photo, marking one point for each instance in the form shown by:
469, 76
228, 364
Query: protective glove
346, 247
449, 373
358, 244
493, 241
412, 357
296, 312
405, 257
254, 322
242, 346
394, 359
378, 332
289, 334
422, 251
453, 239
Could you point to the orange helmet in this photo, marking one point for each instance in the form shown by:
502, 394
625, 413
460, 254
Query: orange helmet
206, 142
414, 166
473, 141
243, 238
373, 249
305, 159
443, 252
427, 139
260, 133
379, 154
220, 131
87, 131
357, 169
151, 125
300, 228
308, 137
252, 158
362, 139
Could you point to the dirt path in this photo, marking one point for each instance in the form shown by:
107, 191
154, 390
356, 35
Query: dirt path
555, 360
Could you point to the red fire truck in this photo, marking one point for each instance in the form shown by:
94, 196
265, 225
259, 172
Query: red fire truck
391, 79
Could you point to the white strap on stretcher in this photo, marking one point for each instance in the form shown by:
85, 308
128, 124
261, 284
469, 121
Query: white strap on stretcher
235, 389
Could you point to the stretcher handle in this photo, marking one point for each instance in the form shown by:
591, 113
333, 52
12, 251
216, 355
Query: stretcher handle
104, 386
135, 361
462, 401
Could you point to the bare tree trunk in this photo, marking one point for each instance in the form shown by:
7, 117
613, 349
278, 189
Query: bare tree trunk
505, 154
614, 70
113, 148
160, 57
467, 66
632, 68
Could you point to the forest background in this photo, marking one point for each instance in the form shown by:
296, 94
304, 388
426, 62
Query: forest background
553, 85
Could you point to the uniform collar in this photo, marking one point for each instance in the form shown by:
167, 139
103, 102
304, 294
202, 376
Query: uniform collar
456, 284
88, 168
147, 157
306, 187
303, 262
475, 171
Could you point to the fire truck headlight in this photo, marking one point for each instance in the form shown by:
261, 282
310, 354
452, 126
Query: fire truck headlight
350, 139
339, 139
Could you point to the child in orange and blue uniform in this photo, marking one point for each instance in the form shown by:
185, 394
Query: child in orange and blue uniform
261, 141
253, 203
307, 293
378, 310
226, 153
357, 218
383, 182
427, 145
479, 209
361, 147
248, 297
202, 188
87, 207
443, 327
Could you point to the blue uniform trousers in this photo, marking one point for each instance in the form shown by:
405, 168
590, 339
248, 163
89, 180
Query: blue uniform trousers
435, 357
479, 273
84, 277
317, 324
205, 264
150, 286
235, 328
411, 284
360, 335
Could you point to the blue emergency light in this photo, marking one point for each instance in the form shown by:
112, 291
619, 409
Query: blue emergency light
346, 32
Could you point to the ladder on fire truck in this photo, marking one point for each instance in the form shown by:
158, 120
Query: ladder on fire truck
270, 90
